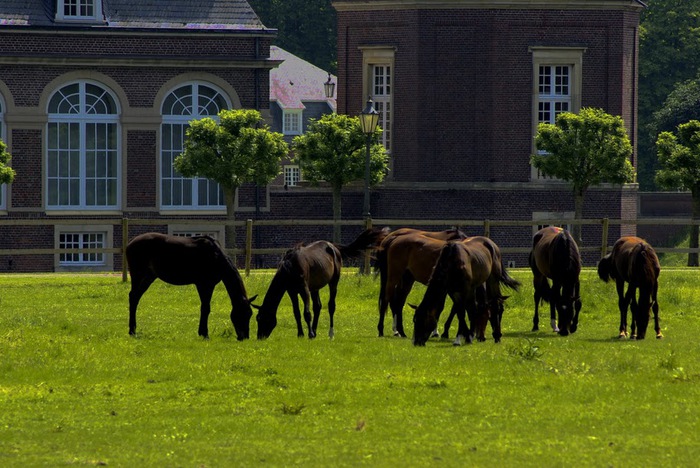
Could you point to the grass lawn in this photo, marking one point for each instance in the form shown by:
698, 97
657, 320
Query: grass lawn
76, 389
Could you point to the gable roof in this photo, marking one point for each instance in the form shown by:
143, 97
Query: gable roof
296, 81
140, 14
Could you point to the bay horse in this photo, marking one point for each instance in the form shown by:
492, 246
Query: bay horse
179, 260
399, 267
633, 261
471, 272
555, 256
303, 271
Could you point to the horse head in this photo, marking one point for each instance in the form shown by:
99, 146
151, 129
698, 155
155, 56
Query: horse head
568, 308
267, 321
424, 322
241, 320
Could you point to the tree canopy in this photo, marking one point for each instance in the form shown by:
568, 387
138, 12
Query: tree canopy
333, 150
585, 149
237, 149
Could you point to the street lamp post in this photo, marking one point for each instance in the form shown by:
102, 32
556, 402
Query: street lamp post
369, 118
329, 87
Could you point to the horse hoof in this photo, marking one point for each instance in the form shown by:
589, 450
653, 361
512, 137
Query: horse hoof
396, 333
458, 341
659, 336
434, 334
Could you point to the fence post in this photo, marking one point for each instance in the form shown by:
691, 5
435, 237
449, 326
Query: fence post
248, 245
368, 225
125, 242
604, 247
487, 228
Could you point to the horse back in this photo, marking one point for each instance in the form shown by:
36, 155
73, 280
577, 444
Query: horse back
635, 261
555, 253
416, 253
175, 259
315, 265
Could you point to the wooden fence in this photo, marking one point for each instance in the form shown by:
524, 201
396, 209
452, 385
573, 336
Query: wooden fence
248, 251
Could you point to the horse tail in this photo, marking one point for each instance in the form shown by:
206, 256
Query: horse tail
604, 267
507, 280
564, 247
369, 238
646, 262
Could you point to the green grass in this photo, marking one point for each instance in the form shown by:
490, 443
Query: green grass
76, 389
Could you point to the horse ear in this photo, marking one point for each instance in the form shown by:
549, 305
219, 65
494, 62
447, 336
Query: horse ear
251, 299
414, 307
503, 298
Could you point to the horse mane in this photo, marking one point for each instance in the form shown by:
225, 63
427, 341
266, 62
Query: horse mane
369, 238
440, 275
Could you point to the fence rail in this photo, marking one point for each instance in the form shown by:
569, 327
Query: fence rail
248, 251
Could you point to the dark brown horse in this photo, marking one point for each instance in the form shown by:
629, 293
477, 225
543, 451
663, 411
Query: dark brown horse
633, 261
555, 255
187, 260
399, 267
471, 273
303, 271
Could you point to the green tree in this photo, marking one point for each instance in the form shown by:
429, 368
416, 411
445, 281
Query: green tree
669, 53
7, 174
585, 149
333, 149
238, 149
306, 28
679, 157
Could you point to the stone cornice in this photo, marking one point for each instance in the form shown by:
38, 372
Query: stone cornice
193, 62
377, 5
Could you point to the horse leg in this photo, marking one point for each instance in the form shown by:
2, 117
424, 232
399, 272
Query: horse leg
297, 313
577, 306
305, 297
655, 309
634, 310
139, 285
622, 304
333, 291
539, 293
316, 303
553, 301
205, 292
463, 331
399, 300
446, 329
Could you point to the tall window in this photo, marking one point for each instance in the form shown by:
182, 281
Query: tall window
188, 102
556, 80
381, 94
3, 188
378, 83
83, 163
83, 10
291, 122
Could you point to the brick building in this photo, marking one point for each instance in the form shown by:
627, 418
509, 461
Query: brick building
95, 97
462, 85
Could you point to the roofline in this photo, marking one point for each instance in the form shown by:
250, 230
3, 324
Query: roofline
243, 32
373, 5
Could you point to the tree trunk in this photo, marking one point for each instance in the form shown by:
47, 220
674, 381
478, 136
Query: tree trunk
336, 214
693, 241
230, 229
578, 215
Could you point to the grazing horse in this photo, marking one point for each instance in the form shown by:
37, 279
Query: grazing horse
303, 271
399, 267
555, 255
499, 276
633, 261
470, 272
198, 260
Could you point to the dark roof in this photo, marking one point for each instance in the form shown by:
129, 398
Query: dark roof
149, 14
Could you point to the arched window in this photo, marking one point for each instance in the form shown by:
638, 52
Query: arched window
83, 163
191, 101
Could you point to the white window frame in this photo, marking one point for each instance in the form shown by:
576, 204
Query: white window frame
96, 6
86, 261
292, 122
292, 175
84, 115
179, 193
378, 81
570, 57
190, 230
